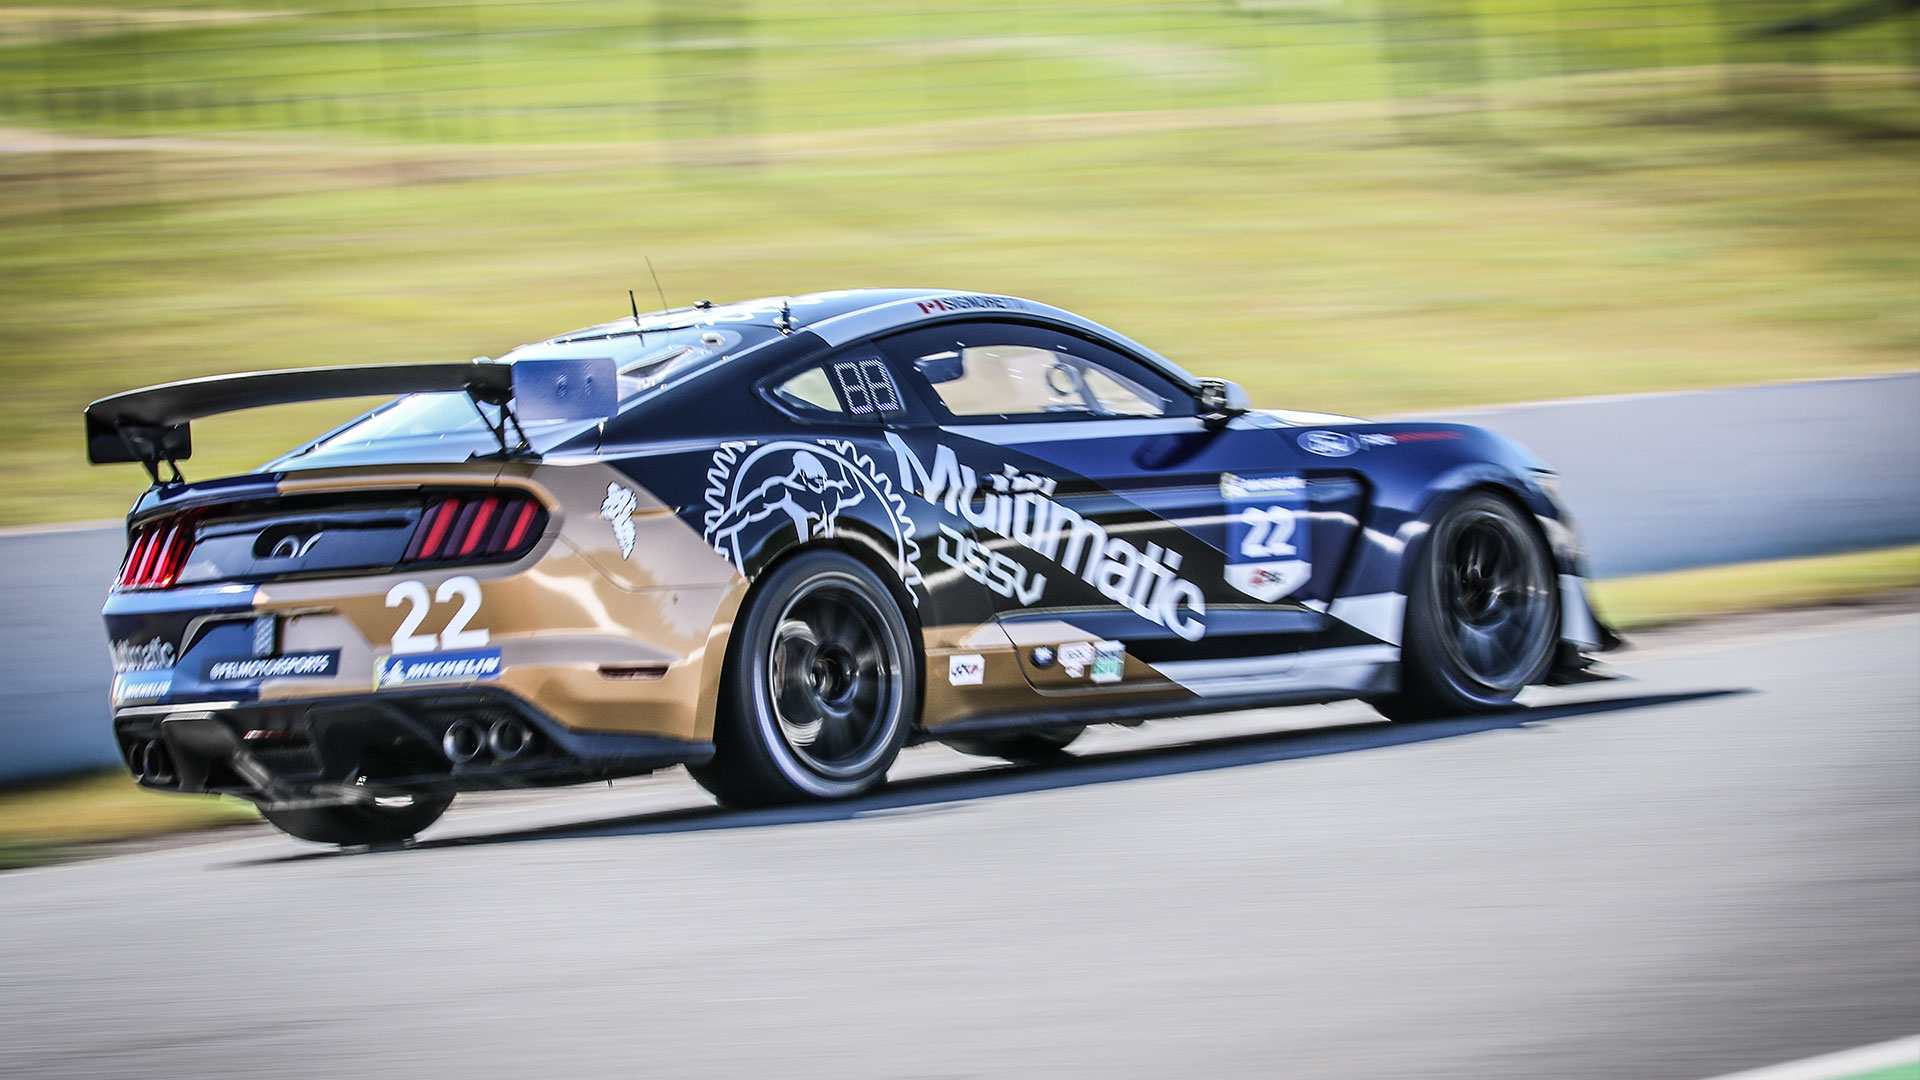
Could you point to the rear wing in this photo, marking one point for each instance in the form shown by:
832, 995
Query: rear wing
153, 425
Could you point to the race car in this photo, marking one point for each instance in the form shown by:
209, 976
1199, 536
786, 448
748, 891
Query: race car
775, 541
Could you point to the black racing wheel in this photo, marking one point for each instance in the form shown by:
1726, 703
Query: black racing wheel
821, 683
386, 821
1021, 747
1482, 614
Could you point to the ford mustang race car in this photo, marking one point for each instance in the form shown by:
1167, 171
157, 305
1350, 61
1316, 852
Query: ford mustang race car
775, 541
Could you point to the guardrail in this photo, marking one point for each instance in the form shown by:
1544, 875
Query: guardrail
1659, 482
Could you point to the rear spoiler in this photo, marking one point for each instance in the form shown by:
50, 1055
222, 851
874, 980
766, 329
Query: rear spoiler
152, 425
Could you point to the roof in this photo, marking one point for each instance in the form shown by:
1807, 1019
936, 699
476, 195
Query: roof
846, 315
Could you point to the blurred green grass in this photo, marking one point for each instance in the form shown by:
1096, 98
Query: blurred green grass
56, 819
1640, 603
1217, 180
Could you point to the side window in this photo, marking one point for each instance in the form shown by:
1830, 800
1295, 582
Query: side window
1118, 396
989, 371
808, 392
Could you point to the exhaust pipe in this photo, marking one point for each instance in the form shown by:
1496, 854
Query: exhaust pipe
508, 739
151, 763
463, 742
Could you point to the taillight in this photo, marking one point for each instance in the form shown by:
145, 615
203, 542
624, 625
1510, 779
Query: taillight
158, 553
468, 527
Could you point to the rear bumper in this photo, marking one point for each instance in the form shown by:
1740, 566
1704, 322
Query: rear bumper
356, 748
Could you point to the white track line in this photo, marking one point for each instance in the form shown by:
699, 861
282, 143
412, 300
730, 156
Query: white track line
1640, 395
1839, 1066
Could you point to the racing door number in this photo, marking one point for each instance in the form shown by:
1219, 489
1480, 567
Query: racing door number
1267, 530
1267, 554
413, 594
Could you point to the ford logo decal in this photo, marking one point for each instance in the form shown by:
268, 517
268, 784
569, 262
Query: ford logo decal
1328, 443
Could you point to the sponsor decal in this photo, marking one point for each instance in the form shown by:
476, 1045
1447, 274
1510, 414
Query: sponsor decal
135, 687
618, 508
969, 670
1109, 659
1043, 657
1341, 444
1328, 443
275, 667
751, 492
965, 303
473, 665
151, 655
1266, 549
1020, 507
1076, 657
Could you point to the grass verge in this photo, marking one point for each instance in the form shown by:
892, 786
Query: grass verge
49, 822
1316, 254
1637, 603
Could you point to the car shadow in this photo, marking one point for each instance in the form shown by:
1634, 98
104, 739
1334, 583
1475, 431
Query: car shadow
939, 792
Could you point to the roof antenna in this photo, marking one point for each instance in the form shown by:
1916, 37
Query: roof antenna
786, 317
656, 282
637, 328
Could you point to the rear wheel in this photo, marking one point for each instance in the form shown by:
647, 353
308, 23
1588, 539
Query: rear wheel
388, 821
1023, 747
1482, 614
822, 678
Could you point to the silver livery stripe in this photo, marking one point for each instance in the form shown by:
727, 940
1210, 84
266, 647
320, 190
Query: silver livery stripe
1004, 434
1350, 668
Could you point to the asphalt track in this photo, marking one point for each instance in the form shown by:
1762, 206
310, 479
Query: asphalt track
1712, 866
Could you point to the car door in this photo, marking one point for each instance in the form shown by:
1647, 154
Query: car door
1123, 536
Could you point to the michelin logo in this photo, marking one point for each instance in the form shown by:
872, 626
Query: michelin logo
136, 687
476, 665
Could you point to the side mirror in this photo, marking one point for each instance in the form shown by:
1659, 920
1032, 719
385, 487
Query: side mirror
943, 368
1221, 401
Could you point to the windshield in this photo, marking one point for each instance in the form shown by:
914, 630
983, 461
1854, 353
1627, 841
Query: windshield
646, 365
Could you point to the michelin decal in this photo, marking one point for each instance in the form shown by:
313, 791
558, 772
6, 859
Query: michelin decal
468, 665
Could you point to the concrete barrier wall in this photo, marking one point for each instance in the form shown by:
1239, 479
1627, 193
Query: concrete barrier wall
54, 666
1659, 482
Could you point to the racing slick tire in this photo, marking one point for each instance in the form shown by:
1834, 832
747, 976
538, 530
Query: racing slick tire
359, 824
1482, 613
1021, 748
820, 687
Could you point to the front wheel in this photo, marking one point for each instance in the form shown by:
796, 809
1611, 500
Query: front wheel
387, 821
821, 682
1482, 615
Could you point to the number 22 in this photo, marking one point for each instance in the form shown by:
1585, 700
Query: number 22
456, 635
1267, 532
